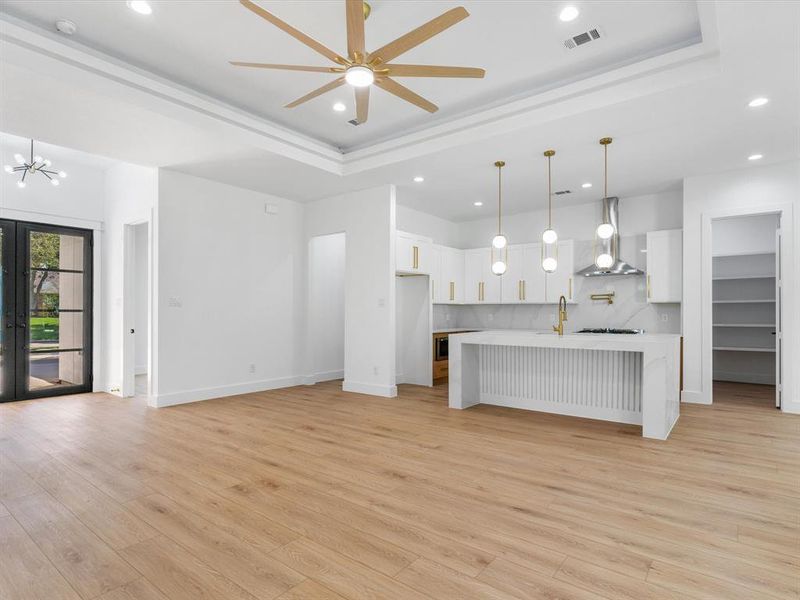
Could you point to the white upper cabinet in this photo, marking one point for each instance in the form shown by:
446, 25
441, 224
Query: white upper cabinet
437, 273
451, 288
561, 283
524, 281
413, 253
481, 286
664, 265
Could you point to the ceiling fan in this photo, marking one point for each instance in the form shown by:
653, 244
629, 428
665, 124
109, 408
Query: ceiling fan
362, 69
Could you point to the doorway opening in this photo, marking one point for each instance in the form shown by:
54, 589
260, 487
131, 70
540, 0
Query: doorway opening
46, 323
746, 310
137, 376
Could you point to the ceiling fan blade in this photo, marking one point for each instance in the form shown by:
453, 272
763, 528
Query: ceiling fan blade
355, 29
295, 33
362, 104
401, 91
237, 63
420, 34
433, 71
317, 92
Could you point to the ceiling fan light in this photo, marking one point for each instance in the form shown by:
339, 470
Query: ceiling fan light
605, 231
499, 267
499, 241
549, 264
359, 76
604, 261
549, 236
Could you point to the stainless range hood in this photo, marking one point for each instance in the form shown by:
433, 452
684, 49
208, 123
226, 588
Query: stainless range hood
619, 267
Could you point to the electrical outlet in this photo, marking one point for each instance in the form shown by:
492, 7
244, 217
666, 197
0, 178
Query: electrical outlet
491, 316
665, 317
252, 368
375, 370
270, 208
381, 302
175, 302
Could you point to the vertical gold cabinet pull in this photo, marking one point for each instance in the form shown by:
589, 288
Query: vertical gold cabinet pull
524, 291
519, 289
648, 286
452, 291
570, 288
415, 257
433, 289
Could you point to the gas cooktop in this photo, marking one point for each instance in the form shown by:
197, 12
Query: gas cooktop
611, 330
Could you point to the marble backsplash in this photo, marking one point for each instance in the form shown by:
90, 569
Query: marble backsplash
629, 310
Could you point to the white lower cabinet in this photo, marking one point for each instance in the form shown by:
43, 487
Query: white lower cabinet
664, 265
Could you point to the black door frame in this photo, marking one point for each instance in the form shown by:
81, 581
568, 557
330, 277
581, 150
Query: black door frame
17, 312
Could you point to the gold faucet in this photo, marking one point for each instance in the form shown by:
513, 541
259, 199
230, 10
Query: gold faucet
562, 315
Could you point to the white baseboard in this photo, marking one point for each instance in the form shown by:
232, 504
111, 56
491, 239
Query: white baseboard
693, 397
372, 389
737, 377
323, 376
197, 395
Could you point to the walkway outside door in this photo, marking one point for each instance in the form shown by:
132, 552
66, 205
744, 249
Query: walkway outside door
46, 323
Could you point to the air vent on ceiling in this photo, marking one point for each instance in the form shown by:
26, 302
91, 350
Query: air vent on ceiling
582, 38
562, 192
354, 122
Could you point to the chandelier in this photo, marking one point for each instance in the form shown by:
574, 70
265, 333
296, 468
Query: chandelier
34, 164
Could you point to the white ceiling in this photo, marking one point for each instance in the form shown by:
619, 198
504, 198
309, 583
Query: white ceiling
669, 122
520, 44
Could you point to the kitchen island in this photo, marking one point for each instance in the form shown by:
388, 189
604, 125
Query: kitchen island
624, 378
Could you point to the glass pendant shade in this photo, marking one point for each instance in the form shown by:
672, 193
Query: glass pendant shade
20, 159
499, 267
605, 231
499, 241
549, 236
8, 169
549, 264
604, 261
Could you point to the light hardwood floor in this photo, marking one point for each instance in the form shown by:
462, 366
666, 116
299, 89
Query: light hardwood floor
312, 493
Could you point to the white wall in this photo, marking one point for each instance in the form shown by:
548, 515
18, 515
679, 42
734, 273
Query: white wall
231, 290
326, 297
637, 215
367, 218
142, 292
440, 230
751, 190
131, 196
742, 235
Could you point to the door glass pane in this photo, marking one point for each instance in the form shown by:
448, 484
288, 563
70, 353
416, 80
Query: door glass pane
56, 251
54, 290
2, 313
55, 369
54, 330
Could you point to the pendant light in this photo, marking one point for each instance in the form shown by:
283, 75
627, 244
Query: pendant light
499, 242
549, 235
605, 231
29, 167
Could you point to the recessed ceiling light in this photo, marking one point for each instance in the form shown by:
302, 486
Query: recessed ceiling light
586, 185
755, 157
339, 107
140, 6
569, 13
419, 179
756, 102
479, 203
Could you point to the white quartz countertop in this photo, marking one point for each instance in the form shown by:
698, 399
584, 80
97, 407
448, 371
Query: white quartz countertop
522, 337
457, 329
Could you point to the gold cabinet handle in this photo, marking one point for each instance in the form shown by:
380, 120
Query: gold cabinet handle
570, 288
648, 286
524, 290
415, 257
519, 290
452, 291
433, 289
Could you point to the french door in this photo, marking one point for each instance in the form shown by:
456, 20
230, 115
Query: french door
46, 322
